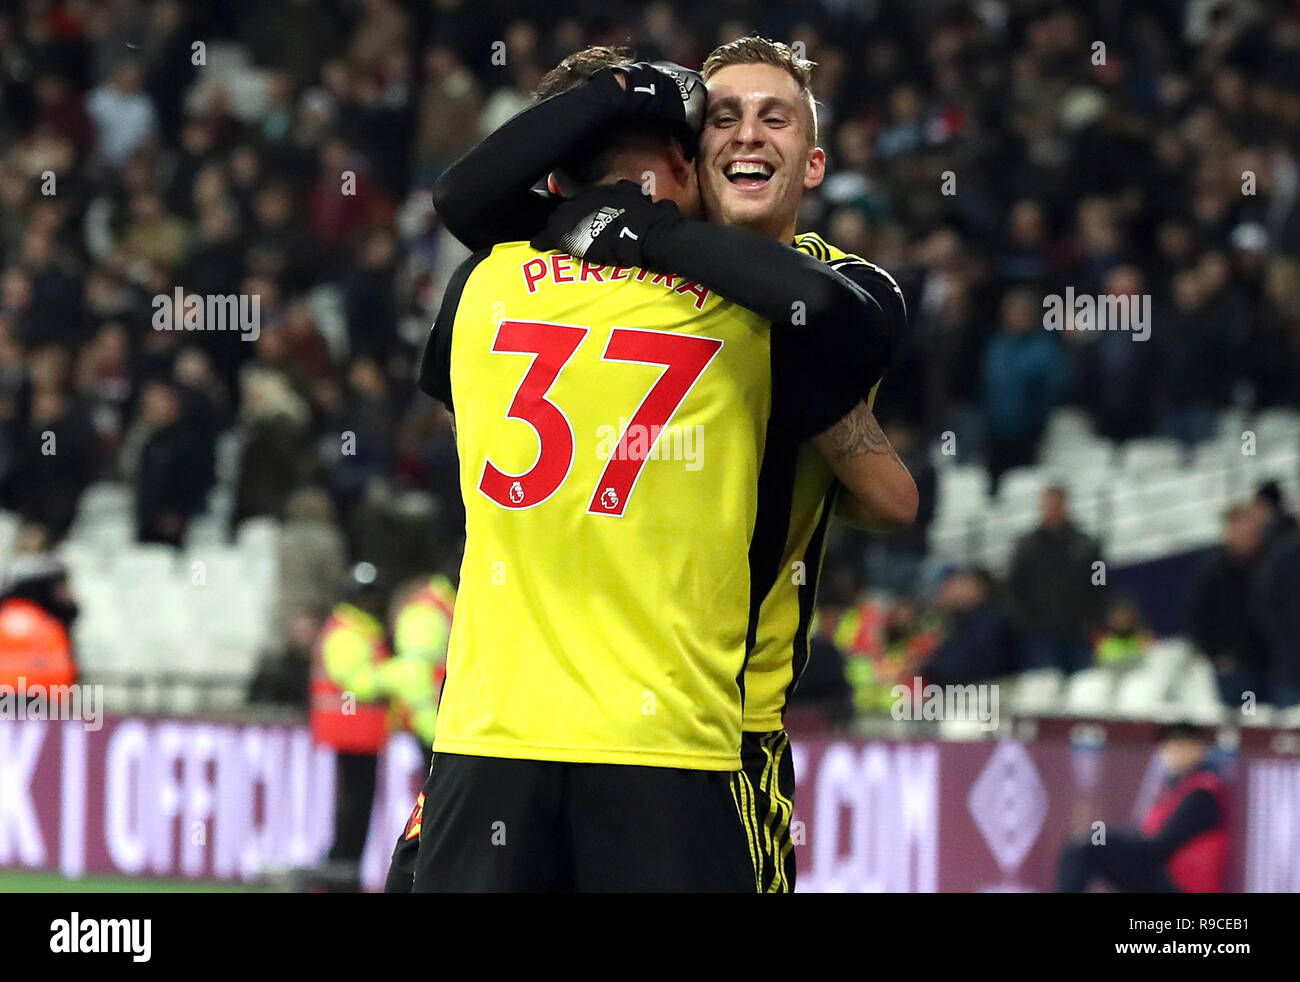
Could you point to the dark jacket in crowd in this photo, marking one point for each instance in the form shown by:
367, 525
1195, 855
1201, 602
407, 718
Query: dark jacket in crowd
172, 483
1219, 618
1277, 607
979, 644
1051, 583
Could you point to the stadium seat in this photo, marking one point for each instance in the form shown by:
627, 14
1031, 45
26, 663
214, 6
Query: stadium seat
9, 525
1067, 425
1195, 691
182, 698
1038, 691
221, 503
963, 490
106, 535
258, 536
144, 565
218, 564
1152, 455
1093, 457
1278, 428
1022, 487
1090, 693
1139, 690
1231, 424
1168, 657
104, 498
1264, 715
229, 447
205, 530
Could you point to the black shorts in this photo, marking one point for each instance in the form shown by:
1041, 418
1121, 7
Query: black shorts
767, 803
401, 870
493, 824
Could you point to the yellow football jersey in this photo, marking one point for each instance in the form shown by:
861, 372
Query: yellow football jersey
611, 426
779, 647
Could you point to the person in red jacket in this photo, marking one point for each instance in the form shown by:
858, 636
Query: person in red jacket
350, 713
1182, 846
36, 611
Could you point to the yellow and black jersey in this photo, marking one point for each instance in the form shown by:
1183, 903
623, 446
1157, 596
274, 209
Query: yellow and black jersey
799, 481
612, 430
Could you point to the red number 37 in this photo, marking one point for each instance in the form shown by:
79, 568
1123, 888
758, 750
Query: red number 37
684, 357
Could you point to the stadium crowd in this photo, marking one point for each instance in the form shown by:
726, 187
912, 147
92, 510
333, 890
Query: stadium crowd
987, 154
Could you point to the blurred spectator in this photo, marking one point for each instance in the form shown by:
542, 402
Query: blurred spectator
60, 111
1195, 354
886, 643
978, 643
1124, 638
1119, 369
312, 564
171, 473
1278, 611
1220, 621
359, 433
51, 446
313, 556
384, 27
400, 527
314, 27
1056, 597
1272, 509
274, 424
824, 686
1023, 378
155, 235
343, 201
368, 297
448, 115
1183, 843
36, 613
124, 114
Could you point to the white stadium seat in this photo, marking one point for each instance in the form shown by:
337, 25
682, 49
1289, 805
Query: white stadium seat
1090, 693
1038, 691
1150, 456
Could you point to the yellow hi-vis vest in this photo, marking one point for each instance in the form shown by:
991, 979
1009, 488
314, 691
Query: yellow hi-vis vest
414, 675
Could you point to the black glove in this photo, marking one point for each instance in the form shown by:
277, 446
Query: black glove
610, 225
663, 90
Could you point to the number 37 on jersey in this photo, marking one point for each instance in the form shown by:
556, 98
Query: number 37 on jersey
684, 357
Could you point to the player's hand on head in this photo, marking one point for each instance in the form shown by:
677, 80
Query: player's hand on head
610, 225
665, 91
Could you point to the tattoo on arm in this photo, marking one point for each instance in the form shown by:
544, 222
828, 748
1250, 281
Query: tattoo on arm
858, 433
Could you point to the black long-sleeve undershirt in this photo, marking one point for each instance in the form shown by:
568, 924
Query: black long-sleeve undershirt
487, 196
793, 290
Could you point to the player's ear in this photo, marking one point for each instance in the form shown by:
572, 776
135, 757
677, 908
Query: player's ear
815, 170
682, 168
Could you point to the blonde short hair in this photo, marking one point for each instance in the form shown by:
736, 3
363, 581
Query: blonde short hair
754, 50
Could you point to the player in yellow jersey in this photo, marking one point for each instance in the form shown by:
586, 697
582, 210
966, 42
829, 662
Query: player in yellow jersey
762, 120
706, 598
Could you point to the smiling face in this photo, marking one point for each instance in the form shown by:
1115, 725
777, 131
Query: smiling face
757, 153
